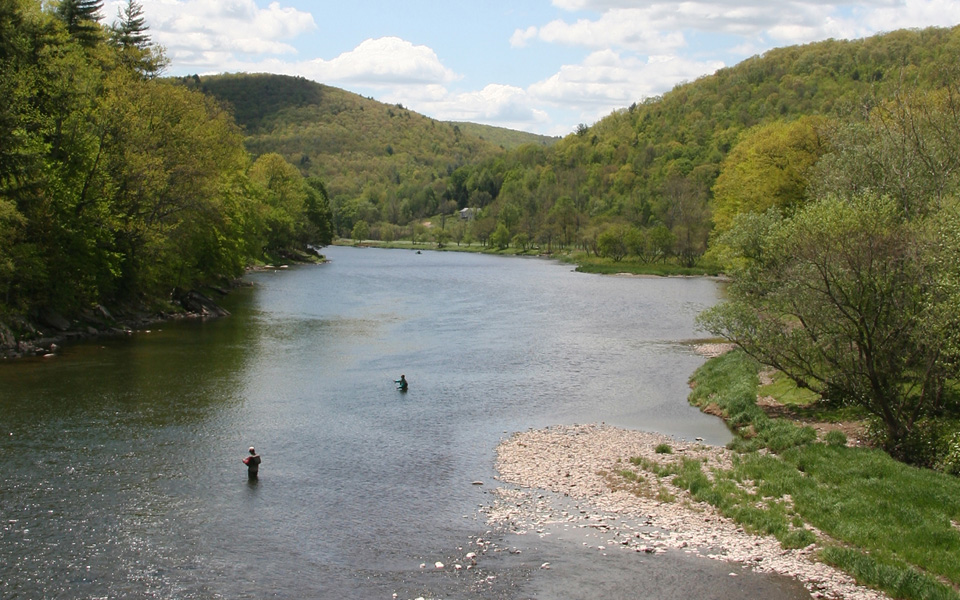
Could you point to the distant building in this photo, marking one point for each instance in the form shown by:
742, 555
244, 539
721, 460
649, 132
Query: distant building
467, 214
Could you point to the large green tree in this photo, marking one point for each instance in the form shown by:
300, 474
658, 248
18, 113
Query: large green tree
82, 18
129, 33
769, 167
852, 301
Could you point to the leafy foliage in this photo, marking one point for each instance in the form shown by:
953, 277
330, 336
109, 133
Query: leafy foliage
116, 187
381, 163
840, 300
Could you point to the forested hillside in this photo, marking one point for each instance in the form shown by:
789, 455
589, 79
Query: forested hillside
652, 166
380, 162
117, 188
646, 176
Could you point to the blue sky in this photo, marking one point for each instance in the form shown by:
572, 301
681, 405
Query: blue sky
541, 66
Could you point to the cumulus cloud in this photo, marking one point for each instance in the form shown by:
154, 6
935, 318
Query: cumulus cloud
606, 81
503, 105
208, 33
380, 62
657, 26
628, 50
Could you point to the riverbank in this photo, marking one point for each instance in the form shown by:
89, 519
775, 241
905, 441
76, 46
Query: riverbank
47, 331
43, 333
543, 470
584, 262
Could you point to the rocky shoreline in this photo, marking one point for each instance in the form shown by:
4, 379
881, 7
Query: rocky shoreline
47, 331
566, 477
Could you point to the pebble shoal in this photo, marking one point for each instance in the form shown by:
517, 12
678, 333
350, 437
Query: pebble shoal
569, 476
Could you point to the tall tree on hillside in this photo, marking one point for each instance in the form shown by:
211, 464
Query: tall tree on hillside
129, 34
82, 18
130, 28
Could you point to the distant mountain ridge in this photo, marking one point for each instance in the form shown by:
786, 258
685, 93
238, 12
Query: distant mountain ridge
362, 148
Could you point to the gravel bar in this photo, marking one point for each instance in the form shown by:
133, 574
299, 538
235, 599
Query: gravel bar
567, 476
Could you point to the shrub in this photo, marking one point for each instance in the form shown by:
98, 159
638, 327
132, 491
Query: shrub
836, 438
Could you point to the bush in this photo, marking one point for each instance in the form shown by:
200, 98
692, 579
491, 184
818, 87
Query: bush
950, 463
836, 438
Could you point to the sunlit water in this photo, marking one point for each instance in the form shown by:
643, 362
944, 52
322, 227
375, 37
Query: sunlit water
121, 473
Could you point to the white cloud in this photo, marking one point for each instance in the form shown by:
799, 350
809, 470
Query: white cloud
633, 29
659, 27
522, 37
205, 34
606, 81
912, 13
382, 62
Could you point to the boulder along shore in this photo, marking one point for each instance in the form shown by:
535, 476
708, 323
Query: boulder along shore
569, 477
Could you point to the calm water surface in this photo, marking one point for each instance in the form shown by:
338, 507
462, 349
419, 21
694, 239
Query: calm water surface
122, 478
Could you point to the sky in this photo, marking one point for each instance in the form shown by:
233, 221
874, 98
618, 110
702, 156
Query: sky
543, 66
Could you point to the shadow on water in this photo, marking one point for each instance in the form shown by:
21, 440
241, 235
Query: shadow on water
123, 473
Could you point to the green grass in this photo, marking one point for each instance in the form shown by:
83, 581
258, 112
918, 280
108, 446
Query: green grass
586, 263
663, 449
890, 525
805, 403
786, 391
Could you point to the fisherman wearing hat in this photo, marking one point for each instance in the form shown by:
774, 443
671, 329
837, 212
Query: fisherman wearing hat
253, 463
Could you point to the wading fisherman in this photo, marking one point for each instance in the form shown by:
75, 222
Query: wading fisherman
253, 463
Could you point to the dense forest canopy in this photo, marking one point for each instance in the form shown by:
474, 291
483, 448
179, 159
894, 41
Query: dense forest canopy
116, 186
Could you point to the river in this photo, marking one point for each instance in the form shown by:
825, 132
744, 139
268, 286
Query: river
122, 478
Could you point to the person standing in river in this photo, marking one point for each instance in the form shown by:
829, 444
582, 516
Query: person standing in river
253, 463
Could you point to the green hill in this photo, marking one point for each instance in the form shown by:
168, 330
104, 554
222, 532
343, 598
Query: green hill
503, 137
378, 161
651, 165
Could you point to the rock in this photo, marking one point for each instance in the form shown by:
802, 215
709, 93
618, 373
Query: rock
53, 319
197, 303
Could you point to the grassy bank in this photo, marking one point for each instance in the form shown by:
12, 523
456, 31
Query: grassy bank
585, 262
892, 526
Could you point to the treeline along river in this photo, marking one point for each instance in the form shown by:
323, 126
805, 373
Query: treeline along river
121, 463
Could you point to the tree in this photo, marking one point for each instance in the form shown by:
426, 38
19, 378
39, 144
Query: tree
129, 34
318, 212
612, 242
360, 232
285, 198
130, 29
907, 148
661, 241
82, 18
501, 237
521, 241
852, 302
768, 167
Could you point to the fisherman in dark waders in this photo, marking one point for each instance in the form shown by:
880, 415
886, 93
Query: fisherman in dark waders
253, 463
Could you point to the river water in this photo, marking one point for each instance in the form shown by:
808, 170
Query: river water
121, 473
